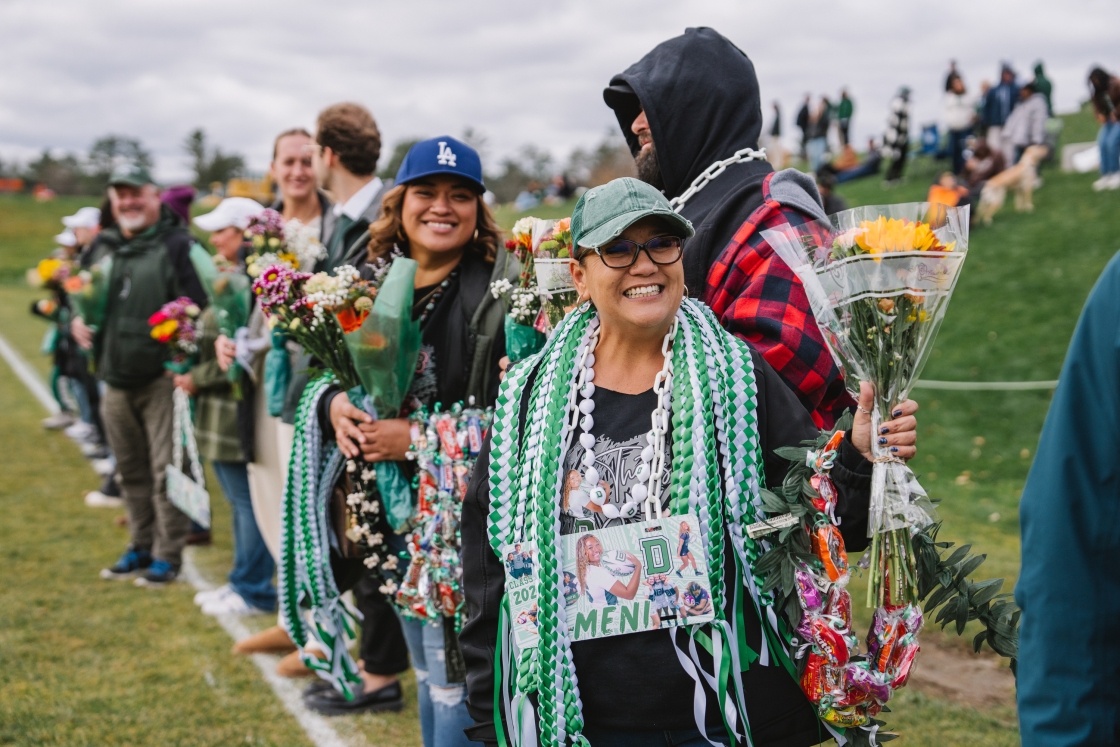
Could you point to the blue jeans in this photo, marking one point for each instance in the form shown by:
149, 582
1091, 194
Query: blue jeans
253, 566
443, 705
817, 149
1108, 140
673, 738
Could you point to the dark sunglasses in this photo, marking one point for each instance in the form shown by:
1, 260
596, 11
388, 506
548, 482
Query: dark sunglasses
623, 253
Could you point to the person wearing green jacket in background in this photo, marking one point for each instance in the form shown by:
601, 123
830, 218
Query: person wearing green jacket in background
152, 264
844, 111
224, 432
1043, 85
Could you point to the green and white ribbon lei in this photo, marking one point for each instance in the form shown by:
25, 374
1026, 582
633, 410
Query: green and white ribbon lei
716, 468
306, 582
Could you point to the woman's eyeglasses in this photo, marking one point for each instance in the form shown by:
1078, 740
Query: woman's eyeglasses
623, 253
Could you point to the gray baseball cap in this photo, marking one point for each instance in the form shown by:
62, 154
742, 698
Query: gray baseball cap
604, 212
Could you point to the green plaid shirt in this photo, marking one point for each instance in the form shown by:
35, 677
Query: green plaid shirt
215, 412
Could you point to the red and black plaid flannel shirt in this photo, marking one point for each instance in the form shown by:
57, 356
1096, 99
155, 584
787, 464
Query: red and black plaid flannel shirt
756, 296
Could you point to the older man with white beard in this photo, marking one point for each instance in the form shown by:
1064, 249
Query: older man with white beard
151, 265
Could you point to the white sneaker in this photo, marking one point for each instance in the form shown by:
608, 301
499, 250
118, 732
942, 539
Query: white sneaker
203, 597
1101, 183
231, 604
81, 431
97, 499
93, 449
1113, 181
58, 421
103, 467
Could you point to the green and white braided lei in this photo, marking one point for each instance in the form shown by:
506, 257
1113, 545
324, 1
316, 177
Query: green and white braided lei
716, 468
307, 586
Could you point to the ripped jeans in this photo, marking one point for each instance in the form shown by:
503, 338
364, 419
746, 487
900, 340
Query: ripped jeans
443, 706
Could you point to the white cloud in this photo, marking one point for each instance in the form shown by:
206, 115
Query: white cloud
518, 72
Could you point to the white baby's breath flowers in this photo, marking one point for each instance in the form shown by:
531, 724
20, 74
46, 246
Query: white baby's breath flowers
303, 241
501, 287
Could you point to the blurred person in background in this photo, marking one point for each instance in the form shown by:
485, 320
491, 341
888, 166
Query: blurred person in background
870, 165
802, 123
819, 121
896, 141
347, 146
1104, 92
844, 111
959, 112
1067, 688
299, 199
998, 103
1027, 124
179, 198
693, 101
151, 266
223, 430
1043, 85
982, 165
826, 183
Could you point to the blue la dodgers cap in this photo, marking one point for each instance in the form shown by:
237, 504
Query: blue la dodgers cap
441, 155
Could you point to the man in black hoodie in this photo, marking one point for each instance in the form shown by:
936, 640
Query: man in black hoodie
690, 104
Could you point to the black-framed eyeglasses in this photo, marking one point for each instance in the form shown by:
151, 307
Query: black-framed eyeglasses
623, 253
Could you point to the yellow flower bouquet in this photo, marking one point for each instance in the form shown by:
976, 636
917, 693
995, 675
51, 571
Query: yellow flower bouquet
879, 279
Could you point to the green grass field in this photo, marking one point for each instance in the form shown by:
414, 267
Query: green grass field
89, 662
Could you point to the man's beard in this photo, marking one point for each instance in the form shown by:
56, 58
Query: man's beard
649, 171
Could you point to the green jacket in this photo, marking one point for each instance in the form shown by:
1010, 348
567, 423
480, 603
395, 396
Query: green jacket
148, 271
844, 109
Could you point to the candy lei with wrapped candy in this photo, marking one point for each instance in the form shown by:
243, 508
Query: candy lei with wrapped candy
445, 448
716, 462
847, 689
304, 571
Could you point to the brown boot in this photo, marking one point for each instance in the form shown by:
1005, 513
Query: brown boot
291, 666
274, 640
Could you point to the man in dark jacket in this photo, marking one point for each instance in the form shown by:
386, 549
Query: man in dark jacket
151, 265
693, 102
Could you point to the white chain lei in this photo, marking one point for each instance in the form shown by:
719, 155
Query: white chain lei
710, 173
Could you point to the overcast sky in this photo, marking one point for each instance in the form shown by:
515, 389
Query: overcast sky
519, 72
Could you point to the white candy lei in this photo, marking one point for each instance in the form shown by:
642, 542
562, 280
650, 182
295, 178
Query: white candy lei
652, 464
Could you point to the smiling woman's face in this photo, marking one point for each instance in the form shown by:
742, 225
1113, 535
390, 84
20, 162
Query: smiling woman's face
439, 214
642, 297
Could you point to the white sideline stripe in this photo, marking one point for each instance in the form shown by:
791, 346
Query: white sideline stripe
317, 728
29, 376
985, 386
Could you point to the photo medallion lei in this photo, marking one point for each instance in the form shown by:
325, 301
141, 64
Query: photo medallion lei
715, 473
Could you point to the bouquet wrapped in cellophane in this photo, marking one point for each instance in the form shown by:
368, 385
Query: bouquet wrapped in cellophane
292, 244
544, 292
879, 279
175, 325
273, 241
88, 291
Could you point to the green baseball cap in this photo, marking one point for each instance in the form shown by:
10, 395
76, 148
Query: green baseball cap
604, 212
132, 174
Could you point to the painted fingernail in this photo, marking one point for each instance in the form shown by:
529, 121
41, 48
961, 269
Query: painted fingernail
884, 429
896, 413
894, 449
882, 442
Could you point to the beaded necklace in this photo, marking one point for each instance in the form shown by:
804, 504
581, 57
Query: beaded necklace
652, 460
433, 297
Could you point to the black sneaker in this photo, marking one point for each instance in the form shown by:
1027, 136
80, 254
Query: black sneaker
110, 486
331, 702
160, 573
131, 563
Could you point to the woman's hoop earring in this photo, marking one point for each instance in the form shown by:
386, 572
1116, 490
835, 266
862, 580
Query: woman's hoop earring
686, 291
476, 234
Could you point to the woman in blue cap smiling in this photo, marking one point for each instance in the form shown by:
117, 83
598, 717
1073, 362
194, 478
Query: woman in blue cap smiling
435, 215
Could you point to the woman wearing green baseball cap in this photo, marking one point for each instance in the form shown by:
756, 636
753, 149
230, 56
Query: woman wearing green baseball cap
639, 405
